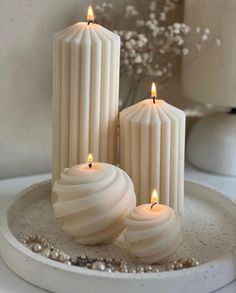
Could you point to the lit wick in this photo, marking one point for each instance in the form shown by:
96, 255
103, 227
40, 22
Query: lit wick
90, 160
154, 198
153, 93
90, 15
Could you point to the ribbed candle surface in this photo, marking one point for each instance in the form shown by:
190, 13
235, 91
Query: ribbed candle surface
153, 234
86, 62
152, 144
93, 202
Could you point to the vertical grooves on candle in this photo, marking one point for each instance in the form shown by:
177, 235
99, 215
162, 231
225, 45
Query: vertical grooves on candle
81, 81
85, 95
114, 91
65, 100
145, 154
165, 144
181, 141
165, 157
95, 95
105, 92
57, 100
56, 107
155, 151
74, 99
174, 146
135, 150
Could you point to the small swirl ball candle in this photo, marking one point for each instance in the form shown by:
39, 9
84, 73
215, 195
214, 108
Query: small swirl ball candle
153, 232
92, 200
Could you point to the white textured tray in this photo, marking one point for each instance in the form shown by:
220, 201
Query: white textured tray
209, 235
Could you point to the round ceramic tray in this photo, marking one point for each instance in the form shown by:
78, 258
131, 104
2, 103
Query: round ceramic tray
209, 236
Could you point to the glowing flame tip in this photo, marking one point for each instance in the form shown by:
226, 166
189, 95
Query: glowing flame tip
154, 197
154, 90
90, 15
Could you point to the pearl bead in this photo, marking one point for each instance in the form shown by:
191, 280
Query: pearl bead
178, 266
109, 260
123, 262
100, 259
140, 270
98, 265
132, 270
67, 262
171, 267
63, 257
54, 255
124, 270
112, 268
33, 237
109, 270
148, 268
27, 239
117, 261
123, 266
37, 248
155, 270
46, 252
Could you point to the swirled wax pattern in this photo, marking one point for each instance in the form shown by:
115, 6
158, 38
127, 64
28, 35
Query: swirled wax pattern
153, 234
93, 202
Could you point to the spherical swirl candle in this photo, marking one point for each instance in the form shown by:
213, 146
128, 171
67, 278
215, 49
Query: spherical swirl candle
92, 200
153, 231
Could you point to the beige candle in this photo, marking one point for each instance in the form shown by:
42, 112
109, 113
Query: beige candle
153, 231
92, 201
86, 59
152, 143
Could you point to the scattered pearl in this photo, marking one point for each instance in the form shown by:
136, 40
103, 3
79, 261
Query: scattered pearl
54, 255
37, 248
99, 266
109, 270
109, 264
46, 252
148, 269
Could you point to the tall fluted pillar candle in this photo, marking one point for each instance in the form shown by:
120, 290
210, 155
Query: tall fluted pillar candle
86, 59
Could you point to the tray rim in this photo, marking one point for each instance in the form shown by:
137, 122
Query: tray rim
8, 239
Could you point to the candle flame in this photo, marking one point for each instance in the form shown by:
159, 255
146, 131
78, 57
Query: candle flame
90, 15
90, 160
153, 90
154, 197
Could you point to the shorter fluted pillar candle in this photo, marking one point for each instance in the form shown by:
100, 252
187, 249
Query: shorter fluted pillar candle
92, 201
153, 232
152, 145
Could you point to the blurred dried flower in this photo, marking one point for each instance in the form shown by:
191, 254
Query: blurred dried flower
150, 43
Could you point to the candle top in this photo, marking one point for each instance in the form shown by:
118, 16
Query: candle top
146, 111
103, 183
146, 212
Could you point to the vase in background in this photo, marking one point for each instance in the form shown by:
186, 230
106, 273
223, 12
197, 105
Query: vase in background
211, 78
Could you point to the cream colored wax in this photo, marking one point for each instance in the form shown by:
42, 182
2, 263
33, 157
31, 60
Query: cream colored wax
92, 202
86, 59
153, 232
152, 145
